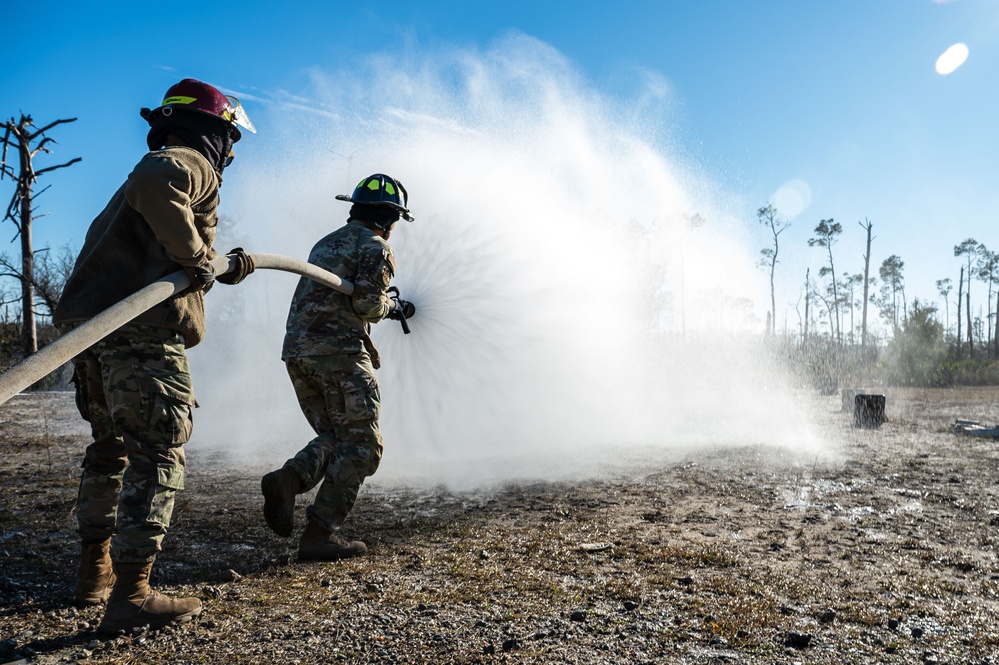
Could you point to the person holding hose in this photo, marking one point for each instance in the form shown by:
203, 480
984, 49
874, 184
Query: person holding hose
331, 360
134, 385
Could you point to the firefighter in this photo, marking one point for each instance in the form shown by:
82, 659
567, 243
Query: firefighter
331, 360
134, 385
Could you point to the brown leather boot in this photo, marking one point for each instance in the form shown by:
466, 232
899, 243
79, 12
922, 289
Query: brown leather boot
134, 604
95, 578
318, 544
280, 488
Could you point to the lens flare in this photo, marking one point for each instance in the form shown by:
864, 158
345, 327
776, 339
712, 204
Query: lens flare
792, 198
951, 59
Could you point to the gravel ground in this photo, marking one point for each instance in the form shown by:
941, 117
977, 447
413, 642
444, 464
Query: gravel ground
886, 555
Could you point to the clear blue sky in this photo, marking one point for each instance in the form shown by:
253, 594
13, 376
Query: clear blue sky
838, 94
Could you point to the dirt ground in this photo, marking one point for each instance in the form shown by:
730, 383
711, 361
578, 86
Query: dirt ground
887, 555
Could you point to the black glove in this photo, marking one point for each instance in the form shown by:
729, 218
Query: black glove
242, 266
401, 309
202, 276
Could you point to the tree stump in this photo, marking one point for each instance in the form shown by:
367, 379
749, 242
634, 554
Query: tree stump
869, 411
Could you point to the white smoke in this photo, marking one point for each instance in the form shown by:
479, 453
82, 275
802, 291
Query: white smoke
574, 279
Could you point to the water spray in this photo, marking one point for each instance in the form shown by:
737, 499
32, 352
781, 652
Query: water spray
593, 317
52, 356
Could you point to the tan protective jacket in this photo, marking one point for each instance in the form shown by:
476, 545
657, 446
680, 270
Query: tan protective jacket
162, 219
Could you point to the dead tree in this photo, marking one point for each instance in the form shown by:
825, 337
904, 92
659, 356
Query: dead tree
49, 276
808, 296
768, 217
960, 303
28, 141
826, 236
867, 274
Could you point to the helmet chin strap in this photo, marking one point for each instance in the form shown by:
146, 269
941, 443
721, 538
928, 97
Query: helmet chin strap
380, 228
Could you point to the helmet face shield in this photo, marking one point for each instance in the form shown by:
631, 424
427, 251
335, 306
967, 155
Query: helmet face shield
237, 114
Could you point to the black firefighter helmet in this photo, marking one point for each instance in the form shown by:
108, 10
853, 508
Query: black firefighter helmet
380, 189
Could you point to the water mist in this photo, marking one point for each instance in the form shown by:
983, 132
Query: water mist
584, 300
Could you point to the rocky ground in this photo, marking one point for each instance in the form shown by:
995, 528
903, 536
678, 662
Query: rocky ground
887, 555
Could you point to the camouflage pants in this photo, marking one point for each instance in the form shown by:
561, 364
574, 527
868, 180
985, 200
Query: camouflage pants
339, 397
134, 387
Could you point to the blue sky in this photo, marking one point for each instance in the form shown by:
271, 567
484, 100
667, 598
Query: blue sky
840, 95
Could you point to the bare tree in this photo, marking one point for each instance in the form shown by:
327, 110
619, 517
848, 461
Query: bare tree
987, 271
968, 248
826, 236
808, 300
28, 141
867, 226
767, 216
996, 341
7, 297
827, 312
944, 287
892, 289
48, 278
852, 282
960, 301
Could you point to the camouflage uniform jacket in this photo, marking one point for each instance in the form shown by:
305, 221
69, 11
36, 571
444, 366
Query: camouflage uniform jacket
161, 219
326, 322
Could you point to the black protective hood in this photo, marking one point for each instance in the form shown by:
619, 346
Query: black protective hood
210, 136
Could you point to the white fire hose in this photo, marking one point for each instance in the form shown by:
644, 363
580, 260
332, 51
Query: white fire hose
51, 356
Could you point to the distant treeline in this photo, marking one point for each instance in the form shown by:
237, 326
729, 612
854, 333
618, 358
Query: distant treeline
919, 355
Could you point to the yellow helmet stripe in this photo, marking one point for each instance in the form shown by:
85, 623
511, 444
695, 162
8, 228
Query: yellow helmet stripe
178, 99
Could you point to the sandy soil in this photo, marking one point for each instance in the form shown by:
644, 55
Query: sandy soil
886, 555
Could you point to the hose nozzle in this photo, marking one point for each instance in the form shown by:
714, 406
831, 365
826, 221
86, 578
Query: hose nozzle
402, 309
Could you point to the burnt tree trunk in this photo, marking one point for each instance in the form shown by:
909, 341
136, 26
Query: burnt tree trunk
29, 336
867, 282
808, 292
960, 306
967, 309
20, 211
995, 342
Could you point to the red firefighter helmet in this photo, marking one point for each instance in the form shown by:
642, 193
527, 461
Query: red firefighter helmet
194, 95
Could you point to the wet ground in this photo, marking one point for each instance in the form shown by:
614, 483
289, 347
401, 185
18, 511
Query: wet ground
886, 553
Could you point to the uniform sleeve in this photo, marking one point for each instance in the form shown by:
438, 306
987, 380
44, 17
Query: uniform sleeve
162, 190
374, 274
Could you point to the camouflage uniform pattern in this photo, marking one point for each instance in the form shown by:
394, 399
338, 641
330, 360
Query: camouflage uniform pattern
325, 322
331, 361
340, 399
134, 387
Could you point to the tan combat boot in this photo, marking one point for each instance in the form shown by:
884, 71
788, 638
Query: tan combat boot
279, 488
134, 604
95, 578
318, 544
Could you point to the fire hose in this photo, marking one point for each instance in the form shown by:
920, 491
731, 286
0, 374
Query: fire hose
52, 356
